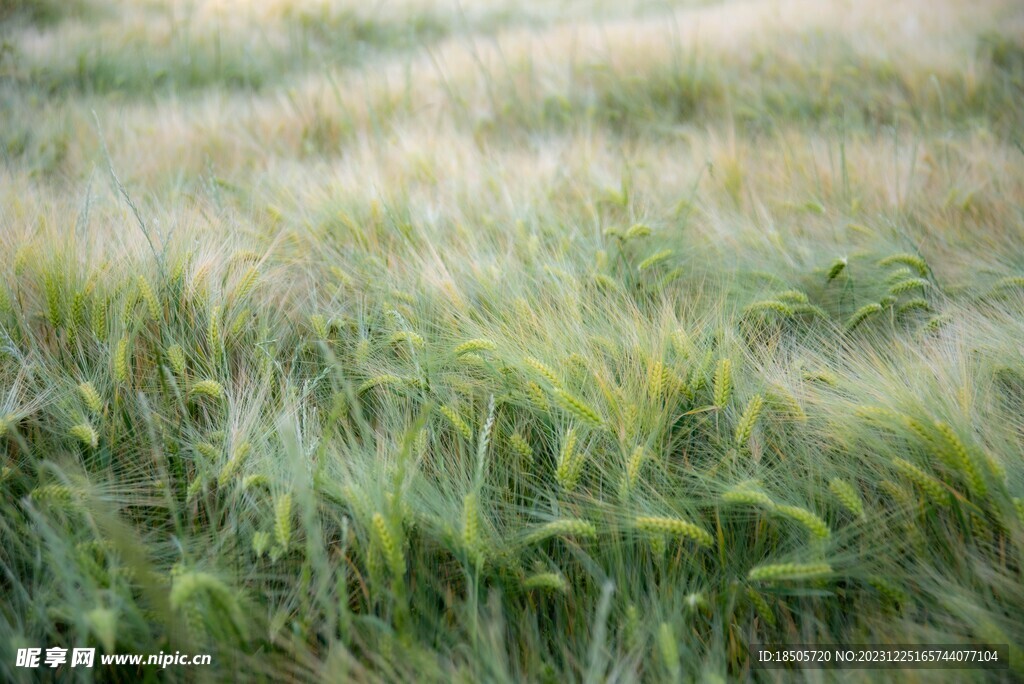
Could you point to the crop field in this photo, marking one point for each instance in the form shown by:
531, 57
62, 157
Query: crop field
498, 341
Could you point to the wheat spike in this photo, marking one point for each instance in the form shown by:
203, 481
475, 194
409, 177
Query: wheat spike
911, 260
934, 490
208, 388
85, 434
748, 420
761, 606
384, 379
149, 297
548, 581
474, 346
389, 546
91, 397
471, 528
815, 525
669, 650
847, 496
577, 407
907, 285
723, 382
566, 527
520, 447
634, 465
570, 462
58, 495
673, 526
789, 571
862, 314
320, 327
456, 421
121, 362
283, 521
233, 464
653, 260
771, 305
960, 456
747, 496
543, 370
260, 543
246, 283
635, 231
54, 300
888, 590
835, 269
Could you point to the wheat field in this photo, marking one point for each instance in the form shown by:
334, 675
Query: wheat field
500, 341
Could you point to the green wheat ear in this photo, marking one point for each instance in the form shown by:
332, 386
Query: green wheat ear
847, 496
208, 388
911, 260
566, 527
835, 269
176, 357
907, 285
570, 463
747, 421
668, 647
54, 300
91, 398
653, 260
283, 521
761, 606
85, 434
862, 314
384, 379
260, 543
213, 333
475, 345
246, 283
778, 307
389, 546
149, 297
723, 382
456, 421
520, 447
543, 369
577, 407
746, 495
121, 362
471, 528
637, 230
634, 465
958, 454
778, 572
932, 488
674, 527
815, 525
547, 581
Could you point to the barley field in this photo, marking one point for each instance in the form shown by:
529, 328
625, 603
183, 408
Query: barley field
497, 341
